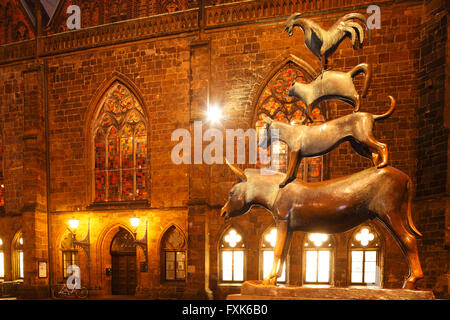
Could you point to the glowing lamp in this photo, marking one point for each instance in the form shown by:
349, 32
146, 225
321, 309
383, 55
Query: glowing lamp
73, 224
134, 222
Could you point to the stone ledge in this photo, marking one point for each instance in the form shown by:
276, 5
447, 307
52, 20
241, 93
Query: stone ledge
254, 290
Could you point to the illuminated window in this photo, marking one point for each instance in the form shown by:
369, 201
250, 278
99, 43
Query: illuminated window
364, 257
69, 254
174, 253
2, 185
318, 258
70, 258
18, 258
267, 252
2, 260
277, 104
120, 144
232, 255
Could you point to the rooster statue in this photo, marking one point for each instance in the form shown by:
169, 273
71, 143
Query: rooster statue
323, 43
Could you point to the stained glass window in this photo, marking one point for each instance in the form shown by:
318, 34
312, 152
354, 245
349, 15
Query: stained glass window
2, 186
318, 258
365, 257
276, 103
267, 253
232, 254
2, 260
120, 144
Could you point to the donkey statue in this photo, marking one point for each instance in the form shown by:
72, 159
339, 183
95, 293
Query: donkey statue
333, 206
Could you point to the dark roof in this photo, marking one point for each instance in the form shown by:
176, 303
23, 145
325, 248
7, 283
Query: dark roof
48, 9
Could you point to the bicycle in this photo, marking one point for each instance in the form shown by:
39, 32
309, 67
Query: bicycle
61, 291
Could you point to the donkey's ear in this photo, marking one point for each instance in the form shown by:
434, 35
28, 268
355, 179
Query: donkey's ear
266, 119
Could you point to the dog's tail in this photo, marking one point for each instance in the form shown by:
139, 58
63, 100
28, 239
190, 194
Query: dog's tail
388, 113
365, 68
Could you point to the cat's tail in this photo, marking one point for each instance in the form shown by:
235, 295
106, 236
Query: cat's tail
363, 68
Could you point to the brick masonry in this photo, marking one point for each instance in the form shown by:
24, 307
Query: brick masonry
176, 76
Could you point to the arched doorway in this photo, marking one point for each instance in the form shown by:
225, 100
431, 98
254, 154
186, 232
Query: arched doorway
123, 256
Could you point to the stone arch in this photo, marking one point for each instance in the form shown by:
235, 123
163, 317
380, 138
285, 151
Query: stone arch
377, 244
225, 229
103, 252
2, 175
328, 244
166, 229
173, 251
308, 72
94, 105
16, 260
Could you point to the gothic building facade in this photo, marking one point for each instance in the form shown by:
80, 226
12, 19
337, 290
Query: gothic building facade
86, 122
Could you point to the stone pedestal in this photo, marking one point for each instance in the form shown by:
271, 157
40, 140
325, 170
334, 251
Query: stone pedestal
255, 290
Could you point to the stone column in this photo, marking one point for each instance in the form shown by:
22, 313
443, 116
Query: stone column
199, 173
34, 209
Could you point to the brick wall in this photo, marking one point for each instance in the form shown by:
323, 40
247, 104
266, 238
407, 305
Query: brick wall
176, 76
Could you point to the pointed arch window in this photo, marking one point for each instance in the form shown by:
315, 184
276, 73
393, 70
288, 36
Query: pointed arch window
120, 147
2, 261
365, 257
2, 185
232, 256
318, 255
174, 255
69, 254
18, 257
267, 252
276, 103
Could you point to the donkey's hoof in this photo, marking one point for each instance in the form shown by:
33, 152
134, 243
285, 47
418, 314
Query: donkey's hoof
409, 285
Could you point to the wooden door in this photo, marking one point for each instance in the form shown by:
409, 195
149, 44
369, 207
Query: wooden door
124, 274
124, 269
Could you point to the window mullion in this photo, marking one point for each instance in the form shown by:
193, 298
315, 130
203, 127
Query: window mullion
134, 161
232, 265
317, 266
106, 167
364, 267
120, 164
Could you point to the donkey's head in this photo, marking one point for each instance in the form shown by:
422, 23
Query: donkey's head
236, 204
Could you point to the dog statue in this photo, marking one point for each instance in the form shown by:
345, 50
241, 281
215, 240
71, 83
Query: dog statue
332, 85
333, 206
312, 141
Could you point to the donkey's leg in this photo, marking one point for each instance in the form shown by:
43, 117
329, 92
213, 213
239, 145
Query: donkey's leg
284, 253
407, 242
282, 228
291, 173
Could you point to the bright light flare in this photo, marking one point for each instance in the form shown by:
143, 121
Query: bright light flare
214, 114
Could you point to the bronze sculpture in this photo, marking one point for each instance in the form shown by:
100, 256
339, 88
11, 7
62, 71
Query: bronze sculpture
323, 43
312, 141
332, 85
337, 205
333, 206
